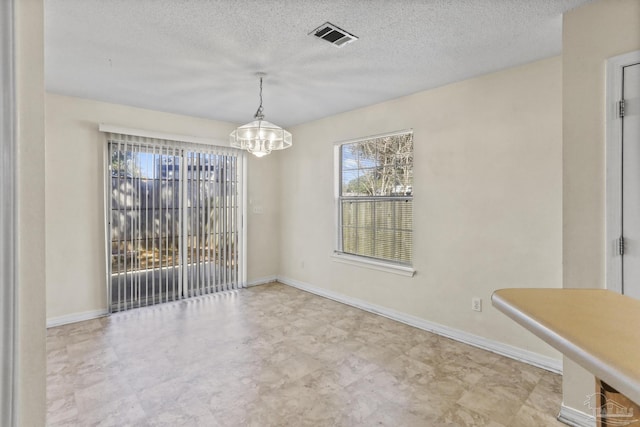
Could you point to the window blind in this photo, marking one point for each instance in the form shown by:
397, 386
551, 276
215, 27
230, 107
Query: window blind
175, 220
378, 228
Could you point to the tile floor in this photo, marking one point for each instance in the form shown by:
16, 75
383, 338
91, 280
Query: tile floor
276, 356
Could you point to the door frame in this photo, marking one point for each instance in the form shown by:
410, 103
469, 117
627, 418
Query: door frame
187, 139
613, 94
8, 220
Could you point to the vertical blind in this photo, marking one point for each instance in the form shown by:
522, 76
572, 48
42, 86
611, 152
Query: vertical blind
175, 220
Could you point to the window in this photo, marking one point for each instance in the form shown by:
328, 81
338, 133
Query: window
375, 198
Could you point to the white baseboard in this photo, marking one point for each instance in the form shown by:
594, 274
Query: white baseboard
88, 315
535, 359
575, 418
75, 317
262, 281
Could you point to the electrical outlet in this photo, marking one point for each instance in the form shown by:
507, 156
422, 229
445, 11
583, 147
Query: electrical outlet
476, 304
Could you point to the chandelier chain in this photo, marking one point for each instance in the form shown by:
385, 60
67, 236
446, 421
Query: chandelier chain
259, 114
260, 137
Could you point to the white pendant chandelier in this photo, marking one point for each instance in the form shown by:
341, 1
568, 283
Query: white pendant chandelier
260, 137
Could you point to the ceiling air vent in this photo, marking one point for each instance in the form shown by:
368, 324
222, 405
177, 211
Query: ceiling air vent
334, 35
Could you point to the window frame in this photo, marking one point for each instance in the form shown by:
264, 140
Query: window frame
338, 254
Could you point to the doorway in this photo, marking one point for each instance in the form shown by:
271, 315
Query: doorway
174, 222
623, 174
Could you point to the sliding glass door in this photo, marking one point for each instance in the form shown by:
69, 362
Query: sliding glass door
175, 220
212, 223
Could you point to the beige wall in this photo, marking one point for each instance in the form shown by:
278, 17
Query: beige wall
487, 199
74, 198
591, 34
29, 75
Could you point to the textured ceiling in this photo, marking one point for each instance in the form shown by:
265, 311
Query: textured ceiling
199, 57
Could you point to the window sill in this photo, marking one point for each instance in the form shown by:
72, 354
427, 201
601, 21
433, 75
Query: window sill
372, 264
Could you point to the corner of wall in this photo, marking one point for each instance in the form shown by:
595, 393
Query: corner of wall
591, 34
29, 91
263, 211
